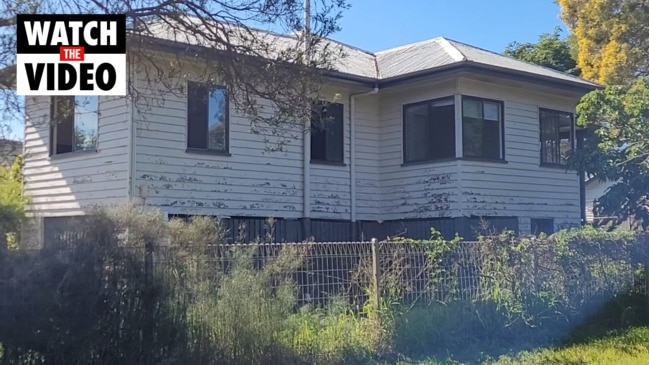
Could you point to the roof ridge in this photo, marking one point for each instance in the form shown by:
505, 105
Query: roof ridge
517, 60
398, 48
453, 51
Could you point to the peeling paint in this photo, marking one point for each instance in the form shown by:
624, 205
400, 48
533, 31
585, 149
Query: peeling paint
153, 177
187, 179
81, 180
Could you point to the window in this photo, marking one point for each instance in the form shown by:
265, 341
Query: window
556, 137
482, 129
542, 225
429, 130
207, 117
327, 132
74, 124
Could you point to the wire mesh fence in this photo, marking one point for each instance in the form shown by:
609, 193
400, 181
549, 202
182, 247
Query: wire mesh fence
361, 272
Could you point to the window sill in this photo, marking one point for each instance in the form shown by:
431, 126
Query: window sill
426, 162
556, 166
328, 163
73, 154
488, 160
208, 152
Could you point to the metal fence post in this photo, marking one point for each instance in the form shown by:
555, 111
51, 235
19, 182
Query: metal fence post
376, 295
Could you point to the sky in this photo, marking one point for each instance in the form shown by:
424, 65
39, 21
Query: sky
376, 25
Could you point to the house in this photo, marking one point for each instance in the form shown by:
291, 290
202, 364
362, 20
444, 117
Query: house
594, 190
432, 134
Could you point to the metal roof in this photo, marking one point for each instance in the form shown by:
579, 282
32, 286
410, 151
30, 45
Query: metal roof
408, 60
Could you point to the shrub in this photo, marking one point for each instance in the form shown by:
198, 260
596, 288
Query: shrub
12, 203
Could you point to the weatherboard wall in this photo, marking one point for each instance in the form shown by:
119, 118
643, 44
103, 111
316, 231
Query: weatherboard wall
252, 180
420, 190
520, 187
70, 184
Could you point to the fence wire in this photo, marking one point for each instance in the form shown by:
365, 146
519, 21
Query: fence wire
358, 272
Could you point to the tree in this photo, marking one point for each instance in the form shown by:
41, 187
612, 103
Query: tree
612, 41
619, 151
254, 65
612, 38
550, 51
12, 201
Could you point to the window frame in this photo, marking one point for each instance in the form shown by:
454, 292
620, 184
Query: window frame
404, 131
501, 127
210, 151
325, 161
542, 163
53, 130
539, 222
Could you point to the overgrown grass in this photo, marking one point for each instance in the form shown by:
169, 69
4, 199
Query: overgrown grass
204, 302
629, 347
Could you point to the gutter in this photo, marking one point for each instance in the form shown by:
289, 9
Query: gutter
480, 68
352, 148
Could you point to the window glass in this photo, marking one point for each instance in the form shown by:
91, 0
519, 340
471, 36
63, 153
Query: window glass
327, 133
86, 120
429, 130
207, 117
481, 129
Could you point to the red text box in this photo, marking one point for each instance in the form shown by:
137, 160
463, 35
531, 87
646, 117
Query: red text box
71, 54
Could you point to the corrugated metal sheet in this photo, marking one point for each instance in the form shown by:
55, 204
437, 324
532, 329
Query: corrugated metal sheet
332, 231
271, 45
416, 57
485, 57
61, 232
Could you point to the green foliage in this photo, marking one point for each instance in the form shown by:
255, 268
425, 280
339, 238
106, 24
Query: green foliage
629, 347
205, 302
333, 335
532, 291
208, 303
618, 149
12, 203
550, 51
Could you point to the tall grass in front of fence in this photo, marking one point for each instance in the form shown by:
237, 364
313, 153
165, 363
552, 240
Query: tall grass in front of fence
506, 293
135, 288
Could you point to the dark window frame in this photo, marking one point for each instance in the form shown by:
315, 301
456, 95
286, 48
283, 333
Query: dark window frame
55, 127
404, 127
206, 150
501, 127
572, 138
540, 223
316, 131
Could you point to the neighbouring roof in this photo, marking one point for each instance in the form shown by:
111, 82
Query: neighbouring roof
428, 56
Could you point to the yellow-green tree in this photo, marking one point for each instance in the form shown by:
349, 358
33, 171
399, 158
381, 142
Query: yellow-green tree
612, 38
12, 201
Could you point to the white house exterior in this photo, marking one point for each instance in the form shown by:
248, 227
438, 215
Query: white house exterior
434, 134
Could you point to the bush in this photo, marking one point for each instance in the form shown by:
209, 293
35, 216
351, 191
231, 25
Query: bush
12, 204
203, 302
139, 289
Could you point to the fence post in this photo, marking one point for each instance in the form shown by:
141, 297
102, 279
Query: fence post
148, 262
148, 302
376, 295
